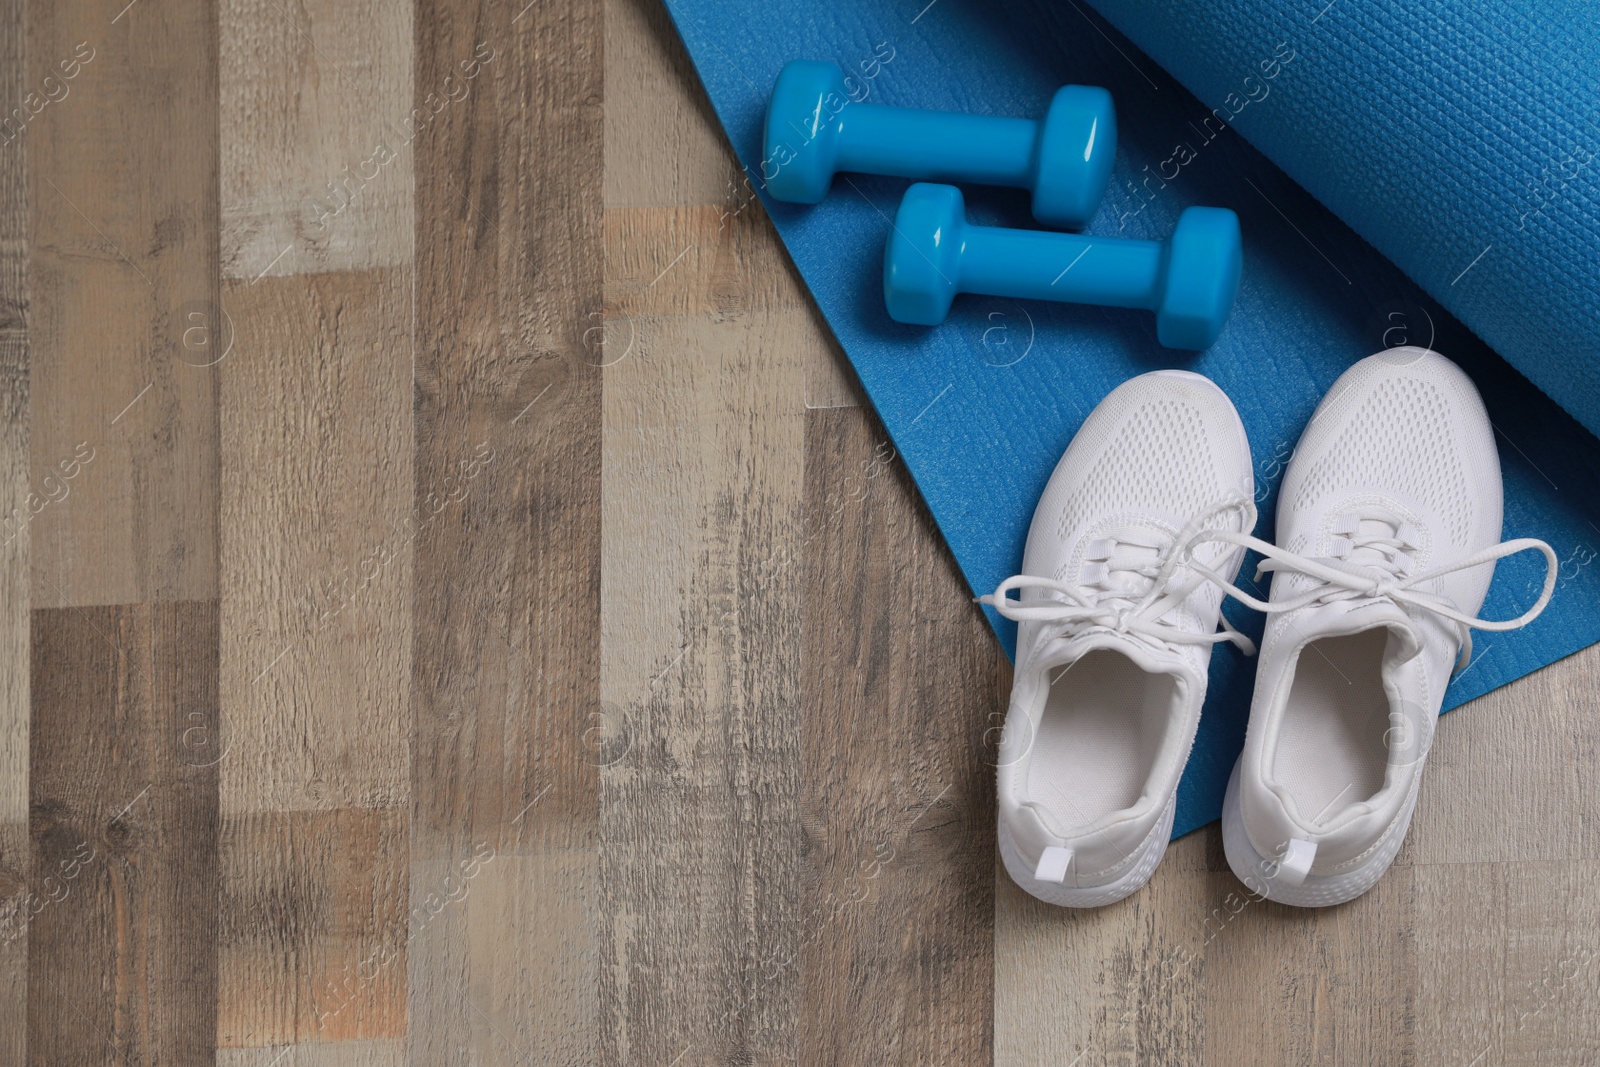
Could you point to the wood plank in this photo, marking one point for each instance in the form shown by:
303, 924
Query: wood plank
506, 656
489, 933
1508, 968
124, 630
380, 1053
317, 488
123, 188
313, 928
1508, 771
316, 166
899, 669
317, 591
707, 340
700, 608
15, 861
1508, 971
697, 261
1312, 985
656, 111
685, 261
1119, 984
122, 952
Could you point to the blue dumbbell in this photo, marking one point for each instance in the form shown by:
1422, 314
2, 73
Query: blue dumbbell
814, 129
1188, 280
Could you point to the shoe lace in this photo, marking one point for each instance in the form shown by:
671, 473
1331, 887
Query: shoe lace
1370, 562
1131, 579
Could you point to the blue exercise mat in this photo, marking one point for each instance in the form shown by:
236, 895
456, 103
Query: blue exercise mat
1461, 139
982, 407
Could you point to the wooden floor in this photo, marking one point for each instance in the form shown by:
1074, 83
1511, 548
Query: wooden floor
457, 610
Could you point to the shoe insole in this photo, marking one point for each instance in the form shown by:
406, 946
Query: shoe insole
1102, 727
1332, 747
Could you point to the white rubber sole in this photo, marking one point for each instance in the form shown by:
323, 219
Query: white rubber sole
1318, 891
1150, 851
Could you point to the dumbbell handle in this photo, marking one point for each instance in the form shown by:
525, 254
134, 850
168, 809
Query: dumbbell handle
937, 145
1117, 272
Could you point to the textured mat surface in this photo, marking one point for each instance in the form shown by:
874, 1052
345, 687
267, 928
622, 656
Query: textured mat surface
983, 406
1462, 140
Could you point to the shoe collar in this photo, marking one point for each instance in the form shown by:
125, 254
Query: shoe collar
1114, 835
1272, 815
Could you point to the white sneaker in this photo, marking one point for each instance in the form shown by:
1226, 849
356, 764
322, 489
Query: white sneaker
1116, 636
1389, 518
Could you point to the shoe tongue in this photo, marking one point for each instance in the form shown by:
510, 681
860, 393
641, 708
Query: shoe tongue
1370, 527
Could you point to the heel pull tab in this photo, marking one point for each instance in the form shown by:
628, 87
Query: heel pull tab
1053, 865
1296, 863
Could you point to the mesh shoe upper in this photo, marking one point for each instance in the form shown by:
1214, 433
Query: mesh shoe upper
1402, 436
1157, 451
1160, 452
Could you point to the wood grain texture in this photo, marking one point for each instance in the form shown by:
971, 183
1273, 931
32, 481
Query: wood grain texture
124, 635
1508, 962
662, 142
1194, 969
312, 928
898, 797
1509, 776
1502, 853
700, 829
382, 1053
317, 486
316, 165
123, 946
1119, 984
506, 653
15, 853
1333, 985
123, 190
665, 149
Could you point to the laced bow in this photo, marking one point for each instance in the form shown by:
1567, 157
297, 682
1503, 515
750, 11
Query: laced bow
1371, 563
1129, 582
